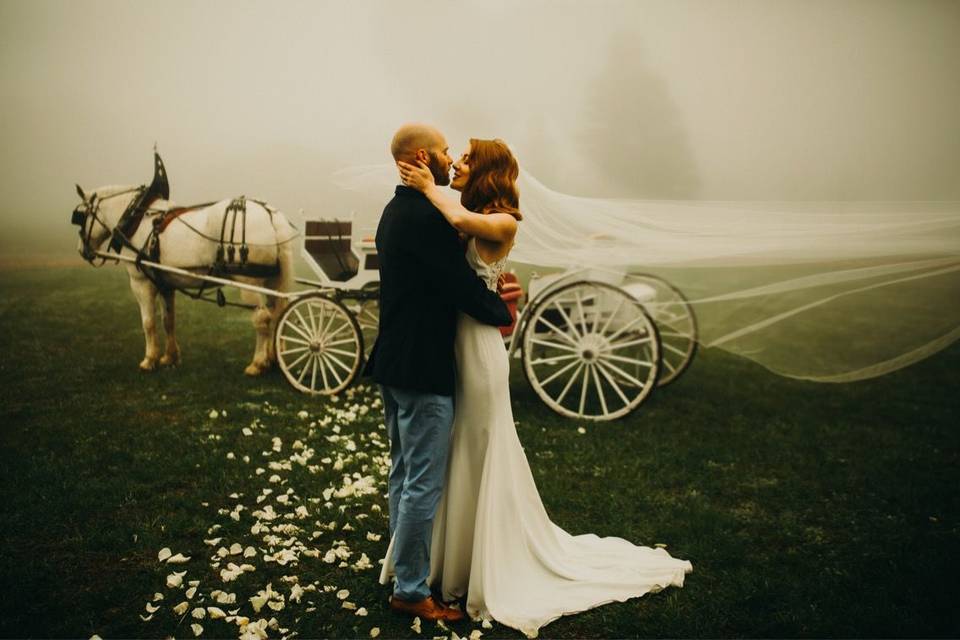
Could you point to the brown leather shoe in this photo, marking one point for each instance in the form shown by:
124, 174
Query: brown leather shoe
427, 609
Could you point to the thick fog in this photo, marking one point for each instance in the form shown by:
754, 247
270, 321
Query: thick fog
710, 99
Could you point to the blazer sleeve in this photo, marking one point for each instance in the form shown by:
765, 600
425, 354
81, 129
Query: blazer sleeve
435, 245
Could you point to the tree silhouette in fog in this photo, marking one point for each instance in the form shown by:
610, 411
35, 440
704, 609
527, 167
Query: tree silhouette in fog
630, 132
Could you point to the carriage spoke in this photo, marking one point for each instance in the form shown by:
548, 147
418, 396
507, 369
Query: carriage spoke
554, 345
295, 327
303, 371
644, 363
639, 318
583, 316
294, 350
626, 376
606, 325
326, 327
560, 372
296, 340
629, 343
672, 368
304, 325
603, 400
338, 342
327, 335
679, 352
323, 373
313, 375
297, 361
332, 371
674, 334
566, 319
313, 323
616, 387
337, 362
583, 388
569, 384
349, 354
558, 330
554, 359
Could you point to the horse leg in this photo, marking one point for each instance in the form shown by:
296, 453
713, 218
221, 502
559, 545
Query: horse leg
261, 322
146, 295
171, 355
276, 306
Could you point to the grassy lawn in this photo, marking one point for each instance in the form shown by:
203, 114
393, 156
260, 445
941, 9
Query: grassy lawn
806, 510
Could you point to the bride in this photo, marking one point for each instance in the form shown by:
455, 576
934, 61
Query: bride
492, 539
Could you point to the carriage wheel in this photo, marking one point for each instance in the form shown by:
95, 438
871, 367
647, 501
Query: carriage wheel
676, 323
367, 313
590, 351
319, 345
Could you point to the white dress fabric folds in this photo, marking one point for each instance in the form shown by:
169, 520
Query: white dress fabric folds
492, 538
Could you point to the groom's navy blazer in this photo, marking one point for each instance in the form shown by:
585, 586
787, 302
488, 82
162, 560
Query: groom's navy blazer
424, 281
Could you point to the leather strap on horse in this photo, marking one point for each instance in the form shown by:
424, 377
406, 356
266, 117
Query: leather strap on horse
237, 205
132, 216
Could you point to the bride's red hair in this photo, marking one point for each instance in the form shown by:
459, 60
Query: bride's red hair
492, 183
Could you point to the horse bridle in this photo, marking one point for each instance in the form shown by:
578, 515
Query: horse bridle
89, 211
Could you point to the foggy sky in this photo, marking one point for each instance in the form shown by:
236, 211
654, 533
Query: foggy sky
710, 99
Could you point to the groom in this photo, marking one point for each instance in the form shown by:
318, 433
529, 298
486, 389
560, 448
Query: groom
424, 281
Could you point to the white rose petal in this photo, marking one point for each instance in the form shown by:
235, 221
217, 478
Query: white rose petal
348, 605
416, 624
373, 537
374, 632
175, 579
216, 613
146, 618
181, 608
214, 415
196, 628
199, 613
475, 634
486, 624
150, 608
362, 611
343, 594
178, 559
236, 548
581, 430
164, 554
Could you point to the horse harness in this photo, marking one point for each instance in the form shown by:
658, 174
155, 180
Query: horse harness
228, 260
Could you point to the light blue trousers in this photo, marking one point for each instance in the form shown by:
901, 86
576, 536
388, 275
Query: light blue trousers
420, 426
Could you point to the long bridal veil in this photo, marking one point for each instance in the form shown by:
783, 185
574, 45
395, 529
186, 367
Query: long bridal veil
823, 291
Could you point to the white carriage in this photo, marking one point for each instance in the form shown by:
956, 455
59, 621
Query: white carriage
593, 343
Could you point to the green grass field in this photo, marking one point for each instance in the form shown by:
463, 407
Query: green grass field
807, 510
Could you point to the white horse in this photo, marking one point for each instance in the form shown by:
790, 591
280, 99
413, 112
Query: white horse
268, 235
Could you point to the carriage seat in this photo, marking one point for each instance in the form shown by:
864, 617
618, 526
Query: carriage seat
328, 243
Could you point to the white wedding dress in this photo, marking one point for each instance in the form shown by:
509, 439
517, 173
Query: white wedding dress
492, 538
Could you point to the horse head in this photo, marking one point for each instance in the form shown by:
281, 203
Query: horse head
97, 215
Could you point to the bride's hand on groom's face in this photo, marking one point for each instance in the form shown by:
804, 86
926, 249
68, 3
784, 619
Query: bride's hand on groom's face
419, 177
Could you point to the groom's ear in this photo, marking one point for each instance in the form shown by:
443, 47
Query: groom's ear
423, 156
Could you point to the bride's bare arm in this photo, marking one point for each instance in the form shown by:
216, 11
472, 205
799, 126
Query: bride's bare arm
498, 227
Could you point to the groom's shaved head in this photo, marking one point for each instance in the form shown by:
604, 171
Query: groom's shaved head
420, 142
414, 136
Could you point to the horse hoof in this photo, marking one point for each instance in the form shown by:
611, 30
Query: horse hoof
148, 365
253, 370
169, 361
